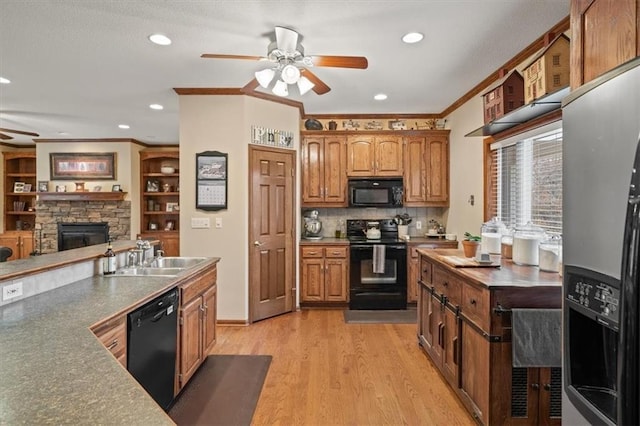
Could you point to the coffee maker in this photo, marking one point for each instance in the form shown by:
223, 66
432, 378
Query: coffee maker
312, 226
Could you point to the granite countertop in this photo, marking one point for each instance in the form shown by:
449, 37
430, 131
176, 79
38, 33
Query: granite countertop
34, 264
324, 240
412, 241
507, 275
54, 369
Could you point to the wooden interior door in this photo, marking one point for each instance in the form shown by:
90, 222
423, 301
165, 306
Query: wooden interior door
271, 232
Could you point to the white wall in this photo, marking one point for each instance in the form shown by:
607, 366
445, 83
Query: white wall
223, 123
466, 169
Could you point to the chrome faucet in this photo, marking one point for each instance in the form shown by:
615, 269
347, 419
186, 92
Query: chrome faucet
141, 248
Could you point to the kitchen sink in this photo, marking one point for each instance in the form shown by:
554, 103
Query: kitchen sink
176, 262
149, 272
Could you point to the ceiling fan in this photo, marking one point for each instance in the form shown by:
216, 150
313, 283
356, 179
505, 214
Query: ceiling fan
289, 65
5, 137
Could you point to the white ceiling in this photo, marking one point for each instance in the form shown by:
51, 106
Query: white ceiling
78, 68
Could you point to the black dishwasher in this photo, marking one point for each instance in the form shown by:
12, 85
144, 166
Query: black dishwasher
151, 346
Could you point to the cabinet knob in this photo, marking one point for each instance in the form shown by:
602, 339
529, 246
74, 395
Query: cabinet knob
535, 386
472, 301
546, 387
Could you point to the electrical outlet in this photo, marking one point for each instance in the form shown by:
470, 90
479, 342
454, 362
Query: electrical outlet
200, 223
218, 222
418, 224
12, 291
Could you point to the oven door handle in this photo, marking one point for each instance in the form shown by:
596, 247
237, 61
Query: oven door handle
370, 247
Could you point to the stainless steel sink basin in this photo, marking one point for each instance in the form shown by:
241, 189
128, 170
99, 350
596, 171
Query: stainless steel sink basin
176, 262
149, 272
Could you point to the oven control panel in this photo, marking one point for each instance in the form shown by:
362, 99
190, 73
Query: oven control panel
597, 293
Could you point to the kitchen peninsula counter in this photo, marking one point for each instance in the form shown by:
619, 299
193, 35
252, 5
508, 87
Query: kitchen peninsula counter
55, 370
325, 241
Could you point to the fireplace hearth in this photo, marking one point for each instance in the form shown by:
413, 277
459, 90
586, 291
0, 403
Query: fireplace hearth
81, 234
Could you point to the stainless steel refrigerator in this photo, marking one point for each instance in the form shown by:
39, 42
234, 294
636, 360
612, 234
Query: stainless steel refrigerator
601, 132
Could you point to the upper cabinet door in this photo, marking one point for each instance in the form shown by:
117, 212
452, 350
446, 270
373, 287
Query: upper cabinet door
312, 153
335, 176
360, 156
388, 156
437, 149
415, 190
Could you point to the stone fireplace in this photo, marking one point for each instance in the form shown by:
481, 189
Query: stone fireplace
115, 214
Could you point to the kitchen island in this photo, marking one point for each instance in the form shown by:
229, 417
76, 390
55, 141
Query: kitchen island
53, 368
465, 328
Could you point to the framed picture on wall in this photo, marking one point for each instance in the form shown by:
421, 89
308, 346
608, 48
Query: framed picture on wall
88, 166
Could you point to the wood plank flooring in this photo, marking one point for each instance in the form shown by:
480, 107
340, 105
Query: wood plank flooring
326, 372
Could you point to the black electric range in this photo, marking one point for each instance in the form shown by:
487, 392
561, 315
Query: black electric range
377, 278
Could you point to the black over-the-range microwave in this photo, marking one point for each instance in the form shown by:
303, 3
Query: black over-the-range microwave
371, 192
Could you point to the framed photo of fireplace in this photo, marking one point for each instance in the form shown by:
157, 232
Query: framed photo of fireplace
87, 166
211, 180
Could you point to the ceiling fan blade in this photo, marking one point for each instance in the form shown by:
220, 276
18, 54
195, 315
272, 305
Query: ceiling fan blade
18, 132
320, 87
5, 137
286, 39
359, 62
250, 86
223, 56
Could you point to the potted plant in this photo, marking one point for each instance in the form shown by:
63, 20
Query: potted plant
470, 244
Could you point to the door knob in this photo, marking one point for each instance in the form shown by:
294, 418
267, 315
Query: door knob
257, 243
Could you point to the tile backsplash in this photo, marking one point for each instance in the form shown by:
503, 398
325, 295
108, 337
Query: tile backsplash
330, 217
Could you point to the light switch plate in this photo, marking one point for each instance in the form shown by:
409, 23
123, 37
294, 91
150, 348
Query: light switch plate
200, 223
218, 222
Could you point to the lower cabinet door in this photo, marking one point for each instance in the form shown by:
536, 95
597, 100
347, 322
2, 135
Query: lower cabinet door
190, 339
209, 299
451, 353
474, 362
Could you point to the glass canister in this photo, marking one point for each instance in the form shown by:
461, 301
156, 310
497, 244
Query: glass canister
491, 233
550, 253
506, 244
526, 240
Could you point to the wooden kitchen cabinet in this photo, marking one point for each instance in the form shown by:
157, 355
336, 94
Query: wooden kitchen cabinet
19, 204
374, 155
324, 177
197, 320
324, 273
159, 202
464, 326
21, 242
426, 169
113, 335
604, 34
413, 264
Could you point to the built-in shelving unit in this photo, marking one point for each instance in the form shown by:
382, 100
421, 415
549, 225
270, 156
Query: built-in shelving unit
525, 113
159, 203
19, 204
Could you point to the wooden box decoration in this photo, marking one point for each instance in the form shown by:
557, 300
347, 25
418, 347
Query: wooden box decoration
548, 72
504, 96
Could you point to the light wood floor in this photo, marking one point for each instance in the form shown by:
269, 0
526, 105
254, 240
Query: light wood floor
326, 372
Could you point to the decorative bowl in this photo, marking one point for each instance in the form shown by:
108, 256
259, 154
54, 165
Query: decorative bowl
167, 170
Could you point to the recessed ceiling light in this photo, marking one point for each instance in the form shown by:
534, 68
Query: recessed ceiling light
156, 106
4, 80
412, 37
160, 39
63, 133
380, 97
123, 126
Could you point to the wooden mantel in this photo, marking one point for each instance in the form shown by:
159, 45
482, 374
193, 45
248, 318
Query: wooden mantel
81, 196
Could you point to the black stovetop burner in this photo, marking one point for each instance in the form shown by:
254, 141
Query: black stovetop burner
357, 231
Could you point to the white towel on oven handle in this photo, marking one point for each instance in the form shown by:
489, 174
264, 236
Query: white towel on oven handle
378, 258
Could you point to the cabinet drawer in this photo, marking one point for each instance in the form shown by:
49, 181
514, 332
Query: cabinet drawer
197, 285
336, 252
426, 270
447, 285
314, 252
475, 306
113, 335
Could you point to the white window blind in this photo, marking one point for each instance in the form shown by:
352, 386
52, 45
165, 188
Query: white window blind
526, 181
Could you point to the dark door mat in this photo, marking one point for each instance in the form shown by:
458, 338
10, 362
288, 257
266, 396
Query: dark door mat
402, 316
224, 391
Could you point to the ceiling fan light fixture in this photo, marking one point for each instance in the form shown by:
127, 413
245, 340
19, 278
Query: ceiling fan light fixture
280, 89
380, 97
304, 85
290, 74
264, 77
